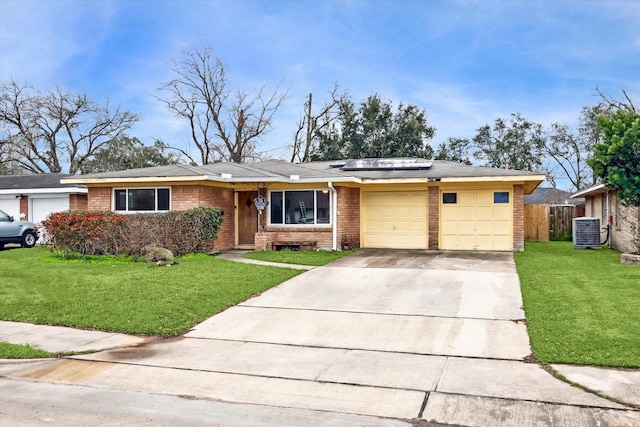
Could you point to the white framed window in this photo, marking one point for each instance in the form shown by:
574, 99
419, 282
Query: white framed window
300, 207
141, 199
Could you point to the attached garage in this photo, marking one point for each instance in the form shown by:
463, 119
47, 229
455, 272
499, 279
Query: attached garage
394, 219
42, 206
11, 205
479, 219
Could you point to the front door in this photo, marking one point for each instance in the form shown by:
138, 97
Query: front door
247, 218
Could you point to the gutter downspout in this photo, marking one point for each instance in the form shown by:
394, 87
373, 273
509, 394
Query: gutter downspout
334, 214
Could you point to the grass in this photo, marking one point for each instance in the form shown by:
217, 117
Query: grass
314, 258
582, 306
122, 296
21, 351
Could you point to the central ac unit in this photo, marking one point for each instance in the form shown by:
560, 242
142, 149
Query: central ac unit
586, 233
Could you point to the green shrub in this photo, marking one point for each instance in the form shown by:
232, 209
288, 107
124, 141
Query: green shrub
92, 233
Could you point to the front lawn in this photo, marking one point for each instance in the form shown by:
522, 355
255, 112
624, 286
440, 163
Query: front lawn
582, 306
21, 351
314, 258
123, 296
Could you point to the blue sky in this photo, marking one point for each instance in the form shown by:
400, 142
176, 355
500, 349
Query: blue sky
464, 62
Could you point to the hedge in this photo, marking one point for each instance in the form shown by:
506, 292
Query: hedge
108, 233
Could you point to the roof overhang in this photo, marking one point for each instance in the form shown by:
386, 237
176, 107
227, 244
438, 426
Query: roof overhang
530, 182
590, 191
201, 178
63, 190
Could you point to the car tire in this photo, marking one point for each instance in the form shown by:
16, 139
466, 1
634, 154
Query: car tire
29, 239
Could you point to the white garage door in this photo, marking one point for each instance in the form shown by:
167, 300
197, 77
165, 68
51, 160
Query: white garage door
476, 220
11, 205
42, 207
396, 220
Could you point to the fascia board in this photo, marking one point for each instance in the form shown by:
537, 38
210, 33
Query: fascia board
71, 190
590, 191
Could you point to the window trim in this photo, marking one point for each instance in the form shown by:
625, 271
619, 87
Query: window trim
495, 193
448, 193
315, 208
127, 189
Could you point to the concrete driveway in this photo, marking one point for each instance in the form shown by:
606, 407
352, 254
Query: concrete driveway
400, 335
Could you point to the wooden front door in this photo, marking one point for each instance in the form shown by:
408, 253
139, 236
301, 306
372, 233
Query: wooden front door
247, 217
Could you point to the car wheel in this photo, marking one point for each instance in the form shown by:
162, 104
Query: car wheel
29, 239
1, 246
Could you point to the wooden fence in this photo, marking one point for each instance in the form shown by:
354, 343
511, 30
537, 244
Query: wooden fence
547, 222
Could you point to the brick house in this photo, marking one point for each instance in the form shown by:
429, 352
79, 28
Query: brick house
371, 203
33, 197
604, 204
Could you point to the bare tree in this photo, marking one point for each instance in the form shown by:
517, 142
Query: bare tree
224, 125
46, 132
311, 123
614, 104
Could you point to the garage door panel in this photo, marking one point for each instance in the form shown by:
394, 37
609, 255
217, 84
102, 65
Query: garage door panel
484, 198
466, 227
475, 222
394, 219
466, 198
484, 213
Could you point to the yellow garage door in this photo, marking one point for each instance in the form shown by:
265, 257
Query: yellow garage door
396, 220
476, 220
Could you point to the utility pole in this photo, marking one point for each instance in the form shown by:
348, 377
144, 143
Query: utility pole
309, 130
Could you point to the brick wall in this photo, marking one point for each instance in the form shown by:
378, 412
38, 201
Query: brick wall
185, 197
323, 236
348, 217
518, 218
433, 209
24, 209
99, 199
78, 202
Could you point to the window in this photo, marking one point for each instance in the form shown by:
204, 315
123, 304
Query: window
305, 207
501, 197
141, 199
450, 198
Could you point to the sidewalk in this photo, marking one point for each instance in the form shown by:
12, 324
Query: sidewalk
57, 339
237, 255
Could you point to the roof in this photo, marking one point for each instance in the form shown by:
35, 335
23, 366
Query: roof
549, 196
590, 191
356, 171
38, 183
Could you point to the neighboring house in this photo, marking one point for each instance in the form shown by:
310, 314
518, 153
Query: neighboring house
34, 197
369, 203
551, 196
602, 203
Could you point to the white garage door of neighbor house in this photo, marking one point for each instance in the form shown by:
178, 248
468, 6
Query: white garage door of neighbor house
42, 207
476, 220
394, 219
11, 205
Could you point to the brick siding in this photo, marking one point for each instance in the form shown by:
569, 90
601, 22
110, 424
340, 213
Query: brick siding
433, 203
348, 217
78, 202
99, 199
518, 218
24, 208
184, 197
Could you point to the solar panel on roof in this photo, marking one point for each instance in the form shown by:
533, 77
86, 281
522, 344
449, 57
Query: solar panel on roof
386, 164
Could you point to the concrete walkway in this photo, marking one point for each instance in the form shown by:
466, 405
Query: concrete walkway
406, 336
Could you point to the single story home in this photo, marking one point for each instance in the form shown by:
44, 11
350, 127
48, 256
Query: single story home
400, 203
551, 196
603, 203
33, 197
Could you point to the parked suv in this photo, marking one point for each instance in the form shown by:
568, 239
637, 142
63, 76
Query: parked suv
11, 231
